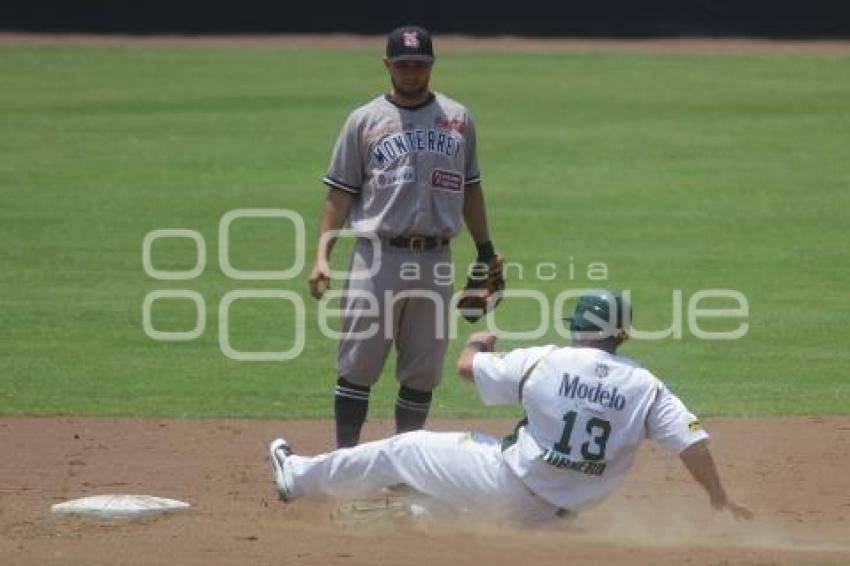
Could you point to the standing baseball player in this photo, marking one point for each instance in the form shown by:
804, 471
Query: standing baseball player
587, 411
404, 172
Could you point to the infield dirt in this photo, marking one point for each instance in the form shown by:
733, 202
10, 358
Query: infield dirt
792, 472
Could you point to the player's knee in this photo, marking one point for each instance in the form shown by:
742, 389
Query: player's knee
422, 382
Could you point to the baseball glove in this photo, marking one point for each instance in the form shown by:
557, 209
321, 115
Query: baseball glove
484, 289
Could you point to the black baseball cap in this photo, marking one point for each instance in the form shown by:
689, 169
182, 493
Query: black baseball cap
410, 43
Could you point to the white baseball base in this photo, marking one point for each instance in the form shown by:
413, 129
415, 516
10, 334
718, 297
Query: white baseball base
118, 506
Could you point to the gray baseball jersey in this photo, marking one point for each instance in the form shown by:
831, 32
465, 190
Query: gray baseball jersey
408, 166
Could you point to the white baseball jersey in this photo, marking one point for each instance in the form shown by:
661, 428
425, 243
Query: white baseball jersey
587, 412
408, 167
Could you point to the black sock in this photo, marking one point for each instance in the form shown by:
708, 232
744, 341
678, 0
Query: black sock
411, 409
351, 403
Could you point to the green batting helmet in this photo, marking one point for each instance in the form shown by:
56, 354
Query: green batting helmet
593, 313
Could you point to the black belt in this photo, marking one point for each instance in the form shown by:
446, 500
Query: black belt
418, 243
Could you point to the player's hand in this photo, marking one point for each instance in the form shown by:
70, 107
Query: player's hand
484, 288
487, 338
738, 511
320, 278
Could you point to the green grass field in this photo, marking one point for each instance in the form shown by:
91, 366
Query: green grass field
677, 171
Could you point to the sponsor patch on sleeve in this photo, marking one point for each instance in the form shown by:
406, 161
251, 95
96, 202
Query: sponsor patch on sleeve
449, 180
694, 426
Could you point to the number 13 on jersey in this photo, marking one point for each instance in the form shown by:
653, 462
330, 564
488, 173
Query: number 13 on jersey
598, 430
594, 440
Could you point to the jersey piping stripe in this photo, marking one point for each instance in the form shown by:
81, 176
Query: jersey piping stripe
340, 185
431, 98
531, 369
472, 180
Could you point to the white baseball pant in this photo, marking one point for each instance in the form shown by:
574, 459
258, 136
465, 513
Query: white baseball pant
462, 472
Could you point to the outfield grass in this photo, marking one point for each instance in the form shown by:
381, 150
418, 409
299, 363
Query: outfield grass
677, 171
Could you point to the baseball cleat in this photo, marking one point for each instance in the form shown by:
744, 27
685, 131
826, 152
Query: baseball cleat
279, 451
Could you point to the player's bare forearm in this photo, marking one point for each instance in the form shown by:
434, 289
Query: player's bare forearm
475, 213
477, 342
337, 206
698, 460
